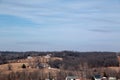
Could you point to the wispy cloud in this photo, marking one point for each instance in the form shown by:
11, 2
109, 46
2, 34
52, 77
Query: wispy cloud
34, 43
100, 30
59, 12
60, 23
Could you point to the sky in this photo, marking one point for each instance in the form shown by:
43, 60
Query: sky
57, 25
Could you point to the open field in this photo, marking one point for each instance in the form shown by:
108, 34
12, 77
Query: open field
60, 66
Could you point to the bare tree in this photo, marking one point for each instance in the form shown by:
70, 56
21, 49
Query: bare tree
9, 66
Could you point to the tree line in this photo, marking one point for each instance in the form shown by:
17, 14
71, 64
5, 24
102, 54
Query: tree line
70, 58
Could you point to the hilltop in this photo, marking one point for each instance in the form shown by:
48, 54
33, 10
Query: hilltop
58, 65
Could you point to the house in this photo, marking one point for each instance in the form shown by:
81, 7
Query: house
29, 57
104, 78
97, 77
112, 78
42, 65
72, 78
48, 56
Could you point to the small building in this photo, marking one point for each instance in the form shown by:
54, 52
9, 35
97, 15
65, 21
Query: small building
42, 65
29, 57
112, 78
104, 78
97, 77
48, 56
72, 78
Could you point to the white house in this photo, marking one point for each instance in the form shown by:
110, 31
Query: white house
48, 56
29, 57
72, 78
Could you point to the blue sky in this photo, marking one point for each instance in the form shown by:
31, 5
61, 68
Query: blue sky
55, 25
